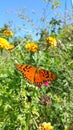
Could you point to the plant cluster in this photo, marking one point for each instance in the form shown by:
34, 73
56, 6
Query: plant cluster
48, 106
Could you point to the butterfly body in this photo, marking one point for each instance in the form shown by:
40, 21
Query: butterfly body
35, 75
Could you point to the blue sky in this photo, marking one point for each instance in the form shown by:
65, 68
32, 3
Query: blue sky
9, 11
13, 6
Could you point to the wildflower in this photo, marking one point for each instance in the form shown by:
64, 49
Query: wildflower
45, 100
8, 33
46, 83
10, 47
1, 46
45, 126
31, 47
3, 43
51, 41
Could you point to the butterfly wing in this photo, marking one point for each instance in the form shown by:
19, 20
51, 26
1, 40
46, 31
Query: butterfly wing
42, 75
35, 75
47, 75
28, 71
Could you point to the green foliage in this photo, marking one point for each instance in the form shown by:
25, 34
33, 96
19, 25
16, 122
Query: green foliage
19, 100
21, 107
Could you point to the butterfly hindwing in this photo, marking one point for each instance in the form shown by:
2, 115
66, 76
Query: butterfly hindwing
47, 75
42, 75
37, 77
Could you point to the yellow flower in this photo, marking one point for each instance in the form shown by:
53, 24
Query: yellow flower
31, 47
1, 46
45, 126
3, 43
9, 47
8, 33
51, 41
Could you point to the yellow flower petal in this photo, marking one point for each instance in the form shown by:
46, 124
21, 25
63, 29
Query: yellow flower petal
10, 47
31, 47
8, 33
45, 126
3, 42
51, 41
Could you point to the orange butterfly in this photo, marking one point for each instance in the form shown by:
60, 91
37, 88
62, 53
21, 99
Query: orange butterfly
34, 75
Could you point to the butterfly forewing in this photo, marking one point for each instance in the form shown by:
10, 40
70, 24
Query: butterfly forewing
20, 67
27, 71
